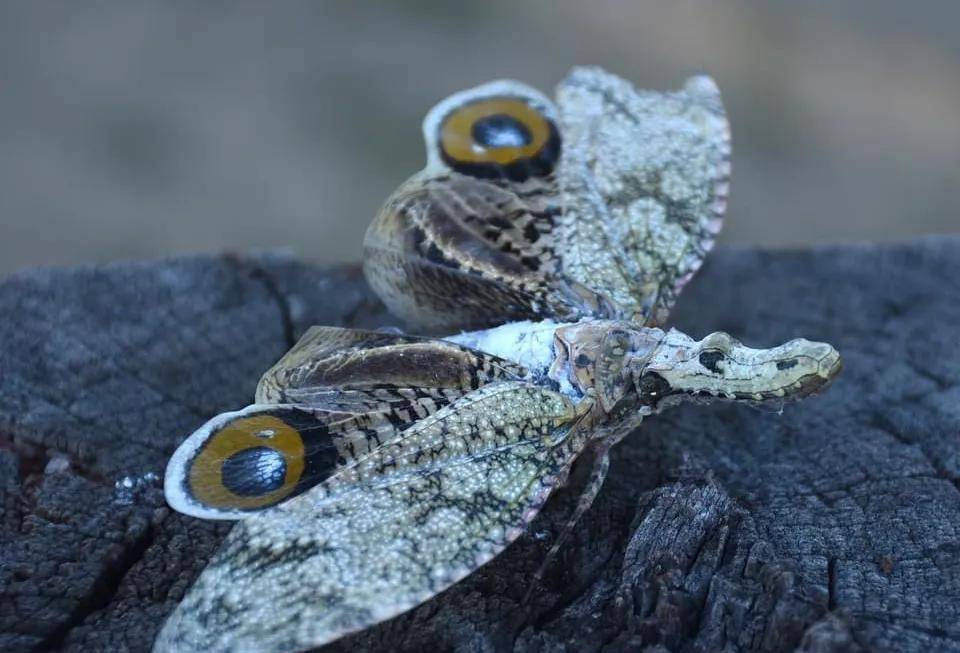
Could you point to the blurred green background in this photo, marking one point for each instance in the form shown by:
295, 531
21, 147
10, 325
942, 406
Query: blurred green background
136, 129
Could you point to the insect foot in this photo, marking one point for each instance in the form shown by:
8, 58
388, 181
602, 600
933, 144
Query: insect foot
720, 367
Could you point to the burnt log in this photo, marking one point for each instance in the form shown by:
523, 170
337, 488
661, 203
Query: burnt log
830, 527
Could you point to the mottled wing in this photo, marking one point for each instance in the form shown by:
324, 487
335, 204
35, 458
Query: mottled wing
644, 181
336, 396
386, 532
451, 250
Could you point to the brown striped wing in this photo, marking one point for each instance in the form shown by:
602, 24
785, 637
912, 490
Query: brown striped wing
336, 396
453, 251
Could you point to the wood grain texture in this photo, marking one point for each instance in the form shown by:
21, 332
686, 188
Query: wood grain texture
831, 527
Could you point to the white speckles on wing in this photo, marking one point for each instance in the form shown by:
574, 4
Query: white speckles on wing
414, 517
644, 182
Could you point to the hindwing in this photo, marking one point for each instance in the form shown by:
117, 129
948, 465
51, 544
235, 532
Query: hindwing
336, 396
612, 225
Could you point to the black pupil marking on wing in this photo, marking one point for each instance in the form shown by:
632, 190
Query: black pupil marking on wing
501, 130
260, 459
499, 137
255, 471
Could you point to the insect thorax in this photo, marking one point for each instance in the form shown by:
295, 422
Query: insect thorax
587, 360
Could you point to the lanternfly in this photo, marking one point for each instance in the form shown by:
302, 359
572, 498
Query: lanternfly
375, 469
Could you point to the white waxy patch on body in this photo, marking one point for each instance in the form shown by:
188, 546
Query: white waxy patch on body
530, 344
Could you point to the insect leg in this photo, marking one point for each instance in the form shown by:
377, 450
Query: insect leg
598, 474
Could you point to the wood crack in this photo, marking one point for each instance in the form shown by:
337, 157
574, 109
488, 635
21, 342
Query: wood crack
81, 341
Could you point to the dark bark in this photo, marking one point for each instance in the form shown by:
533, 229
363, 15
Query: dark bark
831, 527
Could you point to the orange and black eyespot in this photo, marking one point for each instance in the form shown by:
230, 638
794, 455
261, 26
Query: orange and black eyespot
258, 460
499, 137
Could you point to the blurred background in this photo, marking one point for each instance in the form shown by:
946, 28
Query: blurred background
135, 128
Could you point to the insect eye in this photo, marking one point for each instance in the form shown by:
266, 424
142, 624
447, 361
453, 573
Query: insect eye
653, 388
499, 137
250, 463
711, 360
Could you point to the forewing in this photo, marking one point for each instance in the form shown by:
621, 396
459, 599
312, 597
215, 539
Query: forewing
644, 180
337, 395
385, 533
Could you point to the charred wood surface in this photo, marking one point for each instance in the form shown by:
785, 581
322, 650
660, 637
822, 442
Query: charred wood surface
830, 527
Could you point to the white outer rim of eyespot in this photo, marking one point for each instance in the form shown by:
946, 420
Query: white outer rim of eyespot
173, 478
499, 87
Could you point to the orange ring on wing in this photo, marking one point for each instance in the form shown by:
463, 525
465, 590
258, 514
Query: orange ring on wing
458, 143
206, 470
